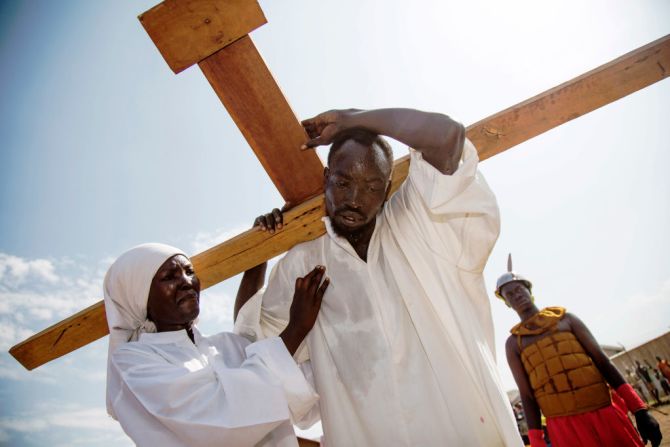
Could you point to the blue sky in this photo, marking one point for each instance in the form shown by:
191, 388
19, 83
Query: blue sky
103, 147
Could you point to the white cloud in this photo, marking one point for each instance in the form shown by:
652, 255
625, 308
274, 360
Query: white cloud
24, 424
88, 418
217, 308
15, 270
84, 368
37, 292
28, 313
94, 418
11, 370
8, 372
44, 305
11, 332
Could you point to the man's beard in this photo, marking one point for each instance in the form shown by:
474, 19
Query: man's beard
349, 233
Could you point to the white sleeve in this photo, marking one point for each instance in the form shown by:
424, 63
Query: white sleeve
299, 392
314, 414
457, 215
234, 406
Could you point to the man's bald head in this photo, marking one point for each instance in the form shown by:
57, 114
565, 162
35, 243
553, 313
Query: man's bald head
368, 139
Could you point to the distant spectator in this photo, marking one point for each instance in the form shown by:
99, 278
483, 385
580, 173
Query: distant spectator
664, 367
636, 383
656, 382
663, 382
643, 372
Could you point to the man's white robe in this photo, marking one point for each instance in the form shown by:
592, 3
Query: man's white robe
223, 390
402, 351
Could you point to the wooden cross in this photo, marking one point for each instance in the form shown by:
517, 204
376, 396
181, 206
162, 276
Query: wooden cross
214, 34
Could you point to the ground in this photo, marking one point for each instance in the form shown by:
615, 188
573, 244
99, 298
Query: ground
664, 421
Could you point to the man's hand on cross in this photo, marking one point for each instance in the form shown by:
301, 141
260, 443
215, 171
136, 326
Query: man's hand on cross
323, 128
274, 220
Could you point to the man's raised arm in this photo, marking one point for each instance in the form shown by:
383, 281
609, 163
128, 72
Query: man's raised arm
436, 136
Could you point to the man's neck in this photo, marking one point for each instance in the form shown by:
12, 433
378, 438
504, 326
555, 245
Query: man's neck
360, 239
529, 313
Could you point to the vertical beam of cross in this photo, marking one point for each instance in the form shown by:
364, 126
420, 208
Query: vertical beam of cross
214, 34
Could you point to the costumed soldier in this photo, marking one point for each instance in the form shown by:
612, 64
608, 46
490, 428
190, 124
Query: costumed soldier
562, 372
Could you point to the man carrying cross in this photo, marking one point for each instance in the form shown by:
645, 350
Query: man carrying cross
402, 352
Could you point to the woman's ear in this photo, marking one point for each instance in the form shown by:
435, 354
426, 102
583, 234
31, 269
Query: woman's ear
388, 190
149, 311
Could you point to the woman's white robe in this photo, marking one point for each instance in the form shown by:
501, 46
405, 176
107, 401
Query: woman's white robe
220, 391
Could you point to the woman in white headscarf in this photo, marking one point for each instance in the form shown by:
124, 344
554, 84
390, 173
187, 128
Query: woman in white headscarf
168, 385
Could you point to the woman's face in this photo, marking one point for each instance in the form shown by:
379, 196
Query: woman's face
174, 296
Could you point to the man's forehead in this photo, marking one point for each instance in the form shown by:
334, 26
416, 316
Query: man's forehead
352, 147
511, 284
352, 153
343, 174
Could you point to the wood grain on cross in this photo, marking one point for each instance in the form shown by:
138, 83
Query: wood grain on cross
214, 34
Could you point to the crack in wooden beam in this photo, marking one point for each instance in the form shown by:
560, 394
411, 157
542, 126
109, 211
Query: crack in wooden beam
58, 339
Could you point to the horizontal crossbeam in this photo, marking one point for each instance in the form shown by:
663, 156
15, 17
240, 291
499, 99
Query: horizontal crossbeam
607, 83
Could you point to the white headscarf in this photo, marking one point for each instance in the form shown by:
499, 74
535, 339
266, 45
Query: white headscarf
126, 290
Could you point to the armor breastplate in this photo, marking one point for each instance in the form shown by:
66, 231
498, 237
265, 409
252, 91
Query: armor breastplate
563, 377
